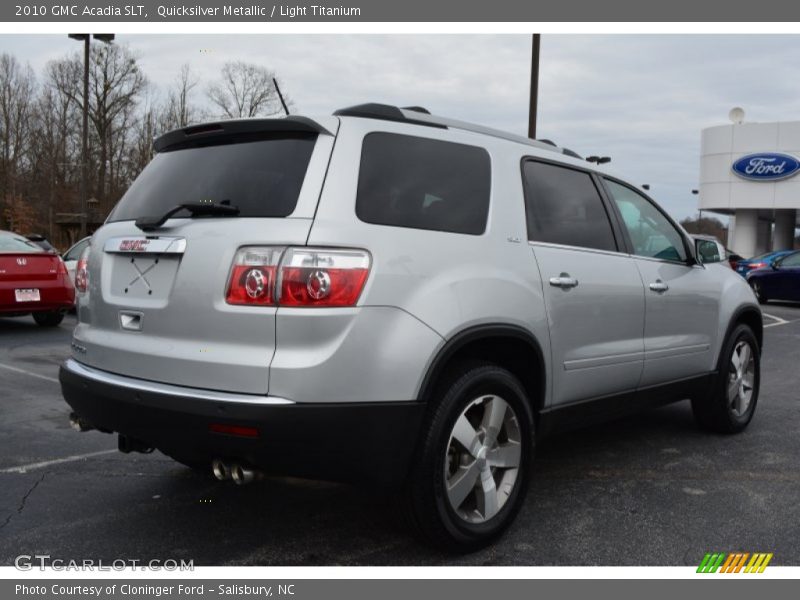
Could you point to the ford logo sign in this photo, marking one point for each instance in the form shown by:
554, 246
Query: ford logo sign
766, 166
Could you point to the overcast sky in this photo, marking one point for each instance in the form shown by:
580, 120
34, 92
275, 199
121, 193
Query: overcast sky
640, 99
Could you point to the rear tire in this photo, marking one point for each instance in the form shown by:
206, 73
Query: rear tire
48, 319
756, 287
731, 403
471, 472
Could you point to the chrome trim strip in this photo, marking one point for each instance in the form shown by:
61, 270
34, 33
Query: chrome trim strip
132, 383
676, 351
603, 361
140, 244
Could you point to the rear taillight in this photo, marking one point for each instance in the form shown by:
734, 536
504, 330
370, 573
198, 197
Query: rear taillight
304, 277
82, 271
253, 275
758, 265
321, 277
62, 268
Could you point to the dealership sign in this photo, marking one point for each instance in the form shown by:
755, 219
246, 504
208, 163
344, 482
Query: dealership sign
766, 166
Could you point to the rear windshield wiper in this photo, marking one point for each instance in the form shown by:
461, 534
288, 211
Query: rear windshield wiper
196, 209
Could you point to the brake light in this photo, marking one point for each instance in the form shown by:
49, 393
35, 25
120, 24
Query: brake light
322, 277
62, 268
253, 275
270, 276
758, 265
82, 271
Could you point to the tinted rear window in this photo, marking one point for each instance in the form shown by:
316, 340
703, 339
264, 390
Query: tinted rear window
563, 206
263, 178
408, 181
12, 243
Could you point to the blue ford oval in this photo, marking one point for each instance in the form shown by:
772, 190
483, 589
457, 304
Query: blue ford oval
766, 166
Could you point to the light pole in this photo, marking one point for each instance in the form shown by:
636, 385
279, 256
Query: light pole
534, 98
85, 38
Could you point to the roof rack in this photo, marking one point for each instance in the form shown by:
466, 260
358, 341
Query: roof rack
420, 116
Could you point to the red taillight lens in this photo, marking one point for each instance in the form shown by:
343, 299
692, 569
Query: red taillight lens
237, 430
252, 280
758, 265
322, 277
267, 276
82, 271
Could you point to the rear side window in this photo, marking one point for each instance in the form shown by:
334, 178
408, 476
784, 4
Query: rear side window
407, 181
261, 177
563, 206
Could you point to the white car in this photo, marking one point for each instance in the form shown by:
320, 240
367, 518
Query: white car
72, 255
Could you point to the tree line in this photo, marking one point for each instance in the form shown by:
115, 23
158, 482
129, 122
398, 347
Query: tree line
41, 128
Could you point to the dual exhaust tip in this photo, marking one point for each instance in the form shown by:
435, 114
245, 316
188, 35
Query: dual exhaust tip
240, 474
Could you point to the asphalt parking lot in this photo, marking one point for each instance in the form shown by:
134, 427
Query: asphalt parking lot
647, 490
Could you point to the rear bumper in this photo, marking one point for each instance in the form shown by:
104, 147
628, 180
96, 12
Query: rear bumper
55, 295
351, 442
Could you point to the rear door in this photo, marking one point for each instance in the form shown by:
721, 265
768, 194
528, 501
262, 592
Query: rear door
788, 278
593, 292
681, 299
156, 305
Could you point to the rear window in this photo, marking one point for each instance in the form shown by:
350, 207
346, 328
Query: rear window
12, 243
407, 181
262, 178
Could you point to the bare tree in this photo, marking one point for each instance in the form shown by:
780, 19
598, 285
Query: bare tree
179, 110
115, 84
17, 96
245, 90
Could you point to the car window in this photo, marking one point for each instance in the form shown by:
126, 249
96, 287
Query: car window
12, 243
75, 252
563, 206
408, 181
263, 178
651, 233
792, 260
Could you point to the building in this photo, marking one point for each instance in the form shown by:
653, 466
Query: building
751, 171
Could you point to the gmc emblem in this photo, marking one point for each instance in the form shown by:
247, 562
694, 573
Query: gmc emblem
133, 245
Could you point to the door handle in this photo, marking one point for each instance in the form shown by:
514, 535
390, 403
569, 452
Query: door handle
563, 281
659, 286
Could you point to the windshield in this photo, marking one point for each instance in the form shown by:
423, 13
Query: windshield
262, 178
12, 243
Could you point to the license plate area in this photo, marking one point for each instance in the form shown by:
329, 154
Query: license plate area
27, 295
143, 276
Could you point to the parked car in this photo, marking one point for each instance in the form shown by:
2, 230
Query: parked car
40, 241
743, 267
710, 249
413, 306
72, 256
33, 281
733, 258
778, 281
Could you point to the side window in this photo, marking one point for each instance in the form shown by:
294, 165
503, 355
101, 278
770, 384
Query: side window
650, 231
407, 181
563, 206
792, 261
76, 251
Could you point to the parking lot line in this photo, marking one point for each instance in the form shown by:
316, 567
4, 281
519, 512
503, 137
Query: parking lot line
778, 320
56, 461
31, 373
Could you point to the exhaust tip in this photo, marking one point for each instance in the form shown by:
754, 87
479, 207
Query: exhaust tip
241, 475
220, 469
78, 423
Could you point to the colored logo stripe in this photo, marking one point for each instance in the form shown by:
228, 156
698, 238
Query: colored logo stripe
734, 562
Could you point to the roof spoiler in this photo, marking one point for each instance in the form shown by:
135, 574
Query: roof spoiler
220, 129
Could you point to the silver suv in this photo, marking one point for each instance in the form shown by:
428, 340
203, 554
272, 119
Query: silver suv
392, 297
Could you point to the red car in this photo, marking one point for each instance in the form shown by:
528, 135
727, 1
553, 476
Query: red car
33, 281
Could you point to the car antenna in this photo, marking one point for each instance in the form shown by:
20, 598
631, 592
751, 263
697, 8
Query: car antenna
283, 103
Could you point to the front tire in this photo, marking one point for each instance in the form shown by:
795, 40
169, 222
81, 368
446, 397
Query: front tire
471, 473
731, 404
48, 319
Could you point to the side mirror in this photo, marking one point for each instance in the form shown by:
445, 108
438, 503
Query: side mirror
775, 264
707, 251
